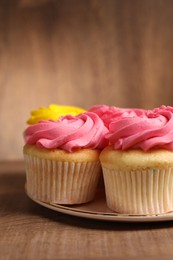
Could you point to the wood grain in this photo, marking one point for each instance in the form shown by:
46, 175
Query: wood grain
29, 231
81, 52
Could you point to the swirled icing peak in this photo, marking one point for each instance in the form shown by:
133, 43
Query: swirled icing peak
52, 112
154, 130
69, 133
109, 114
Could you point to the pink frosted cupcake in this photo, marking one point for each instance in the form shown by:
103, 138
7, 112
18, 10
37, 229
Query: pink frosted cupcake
109, 114
138, 164
62, 158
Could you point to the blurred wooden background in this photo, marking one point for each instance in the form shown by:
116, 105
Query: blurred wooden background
81, 52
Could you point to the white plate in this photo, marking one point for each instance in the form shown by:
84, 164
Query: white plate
98, 210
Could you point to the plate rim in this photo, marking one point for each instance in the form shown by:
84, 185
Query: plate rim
114, 217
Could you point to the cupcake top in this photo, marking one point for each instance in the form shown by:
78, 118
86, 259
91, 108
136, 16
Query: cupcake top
52, 112
152, 130
69, 133
109, 114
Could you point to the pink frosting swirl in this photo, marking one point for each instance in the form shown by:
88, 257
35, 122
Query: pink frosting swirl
154, 130
109, 114
69, 133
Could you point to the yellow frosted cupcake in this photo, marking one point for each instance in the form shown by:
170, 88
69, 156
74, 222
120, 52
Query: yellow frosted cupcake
53, 112
138, 164
62, 158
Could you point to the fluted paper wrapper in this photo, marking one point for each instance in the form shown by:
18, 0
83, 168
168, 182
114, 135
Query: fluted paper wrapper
146, 192
61, 182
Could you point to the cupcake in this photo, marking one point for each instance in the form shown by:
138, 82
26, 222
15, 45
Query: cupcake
110, 113
52, 112
138, 164
62, 158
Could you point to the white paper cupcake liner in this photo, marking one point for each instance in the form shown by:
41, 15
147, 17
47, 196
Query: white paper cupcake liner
145, 192
61, 182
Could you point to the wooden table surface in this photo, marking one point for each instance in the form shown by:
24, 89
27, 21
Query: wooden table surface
30, 231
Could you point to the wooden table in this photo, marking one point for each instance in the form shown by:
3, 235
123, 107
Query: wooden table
30, 231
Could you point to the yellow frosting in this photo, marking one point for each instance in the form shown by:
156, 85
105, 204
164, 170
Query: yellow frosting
52, 112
